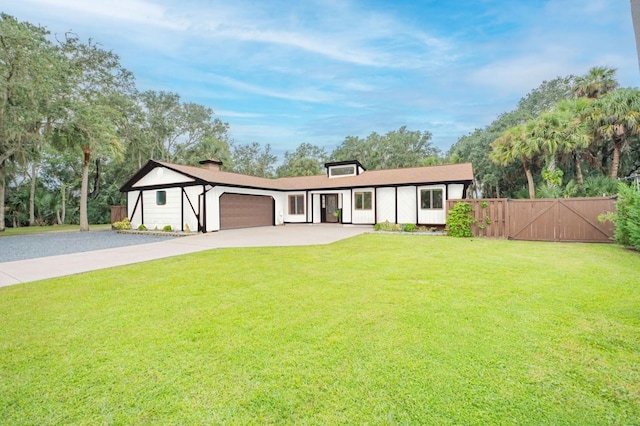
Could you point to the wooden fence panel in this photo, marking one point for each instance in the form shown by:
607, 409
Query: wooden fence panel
556, 219
118, 213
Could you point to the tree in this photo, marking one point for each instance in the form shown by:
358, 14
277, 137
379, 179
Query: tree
253, 160
512, 146
396, 149
597, 82
615, 117
306, 160
27, 73
99, 82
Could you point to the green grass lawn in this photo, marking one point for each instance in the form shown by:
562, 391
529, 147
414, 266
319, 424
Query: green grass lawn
23, 230
377, 329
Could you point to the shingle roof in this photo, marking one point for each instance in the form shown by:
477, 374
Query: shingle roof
392, 177
414, 175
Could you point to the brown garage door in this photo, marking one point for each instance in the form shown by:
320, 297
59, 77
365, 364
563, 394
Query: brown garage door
244, 211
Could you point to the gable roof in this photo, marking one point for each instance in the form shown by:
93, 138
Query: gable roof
461, 173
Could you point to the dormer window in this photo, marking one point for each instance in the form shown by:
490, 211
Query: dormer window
344, 168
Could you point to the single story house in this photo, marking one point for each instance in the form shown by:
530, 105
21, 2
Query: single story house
208, 199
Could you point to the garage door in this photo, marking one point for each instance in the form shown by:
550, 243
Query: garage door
244, 211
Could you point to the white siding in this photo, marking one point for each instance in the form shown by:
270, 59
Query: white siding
386, 204
295, 218
407, 204
316, 208
134, 218
193, 193
454, 191
156, 216
162, 176
432, 216
346, 206
364, 216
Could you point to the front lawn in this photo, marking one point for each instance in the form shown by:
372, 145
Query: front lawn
377, 329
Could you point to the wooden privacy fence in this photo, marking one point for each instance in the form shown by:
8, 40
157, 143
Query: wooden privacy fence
549, 219
118, 213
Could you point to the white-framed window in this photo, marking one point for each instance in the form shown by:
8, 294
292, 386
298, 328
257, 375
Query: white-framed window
342, 171
296, 204
362, 200
161, 198
431, 199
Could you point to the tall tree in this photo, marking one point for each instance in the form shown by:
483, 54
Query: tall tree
395, 149
98, 82
306, 160
27, 70
597, 82
514, 145
253, 160
616, 118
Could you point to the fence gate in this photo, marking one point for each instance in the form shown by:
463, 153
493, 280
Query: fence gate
553, 219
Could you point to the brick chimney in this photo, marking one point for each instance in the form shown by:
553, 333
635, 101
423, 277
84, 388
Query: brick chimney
211, 164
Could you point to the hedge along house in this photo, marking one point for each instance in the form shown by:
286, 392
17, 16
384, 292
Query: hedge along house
208, 199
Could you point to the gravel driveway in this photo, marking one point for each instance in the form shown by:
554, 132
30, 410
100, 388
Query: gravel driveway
23, 247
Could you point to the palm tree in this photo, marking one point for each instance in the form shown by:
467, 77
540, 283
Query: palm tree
597, 82
511, 146
615, 117
575, 134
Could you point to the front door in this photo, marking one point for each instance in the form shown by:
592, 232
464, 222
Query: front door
330, 208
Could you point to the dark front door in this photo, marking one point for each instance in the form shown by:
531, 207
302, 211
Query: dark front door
330, 208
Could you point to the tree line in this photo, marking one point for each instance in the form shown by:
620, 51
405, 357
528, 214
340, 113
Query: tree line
571, 136
73, 127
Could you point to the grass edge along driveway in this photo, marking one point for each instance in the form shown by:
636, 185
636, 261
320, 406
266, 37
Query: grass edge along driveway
377, 329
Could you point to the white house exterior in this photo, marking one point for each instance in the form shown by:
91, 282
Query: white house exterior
208, 199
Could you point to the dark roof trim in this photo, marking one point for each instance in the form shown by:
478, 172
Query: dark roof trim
344, 163
152, 164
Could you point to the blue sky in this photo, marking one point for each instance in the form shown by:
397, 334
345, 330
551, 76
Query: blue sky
287, 72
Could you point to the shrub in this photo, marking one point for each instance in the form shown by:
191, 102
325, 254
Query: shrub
167, 228
123, 225
409, 227
459, 220
142, 227
627, 217
386, 226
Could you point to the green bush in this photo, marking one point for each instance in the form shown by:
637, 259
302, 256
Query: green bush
459, 220
386, 226
409, 227
142, 227
167, 228
122, 225
627, 217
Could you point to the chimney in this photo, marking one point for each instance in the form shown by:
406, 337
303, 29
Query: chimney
211, 164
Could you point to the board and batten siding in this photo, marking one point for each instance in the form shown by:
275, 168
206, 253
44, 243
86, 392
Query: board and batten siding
162, 176
363, 217
432, 216
158, 216
134, 217
455, 191
295, 218
190, 218
386, 205
407, 204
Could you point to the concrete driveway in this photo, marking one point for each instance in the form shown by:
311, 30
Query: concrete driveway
22, 271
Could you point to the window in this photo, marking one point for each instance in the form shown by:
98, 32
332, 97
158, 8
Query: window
296, 204
431, 199
161, 198
342, 171
363, 200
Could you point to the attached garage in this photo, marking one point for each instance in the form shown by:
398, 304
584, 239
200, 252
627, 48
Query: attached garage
244, 211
